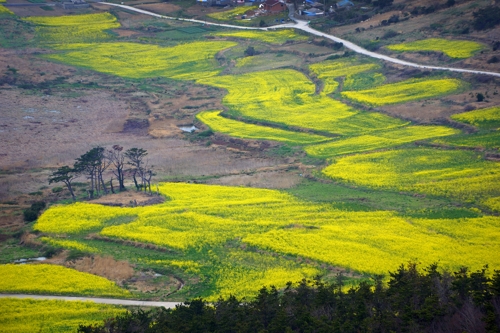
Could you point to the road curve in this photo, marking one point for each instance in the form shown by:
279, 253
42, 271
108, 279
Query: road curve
112, 301
303, 25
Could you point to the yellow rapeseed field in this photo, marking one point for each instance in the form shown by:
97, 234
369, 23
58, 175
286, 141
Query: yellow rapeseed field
69, 244
29, 315
207, 216
379, 140
452, 48
250, 131
288, 97
230, 14
52, 279
363, 81
4, 10
462, 175
75, 28
273, 37
186, 61
404, 91
485, 118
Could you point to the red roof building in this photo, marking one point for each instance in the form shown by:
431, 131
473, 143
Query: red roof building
274, 6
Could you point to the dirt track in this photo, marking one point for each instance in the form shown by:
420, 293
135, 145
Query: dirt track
168, 305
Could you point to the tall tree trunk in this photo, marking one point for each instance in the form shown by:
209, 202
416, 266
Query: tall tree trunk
111, 185
70, 189
135, 181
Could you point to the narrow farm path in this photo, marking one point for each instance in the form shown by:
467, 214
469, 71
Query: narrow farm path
112, 301
303, 25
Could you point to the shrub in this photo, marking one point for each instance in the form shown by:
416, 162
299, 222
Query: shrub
57, 189
493, 60
486, 18
30, 215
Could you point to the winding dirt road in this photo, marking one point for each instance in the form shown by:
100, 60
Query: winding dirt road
113, 301
303, 25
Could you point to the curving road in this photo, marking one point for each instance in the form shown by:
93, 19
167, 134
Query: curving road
113, 301
303, 25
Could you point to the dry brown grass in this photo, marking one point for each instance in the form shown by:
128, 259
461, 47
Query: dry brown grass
107, 267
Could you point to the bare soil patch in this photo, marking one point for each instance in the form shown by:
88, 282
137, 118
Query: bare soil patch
160, 8
107, 267
129, 198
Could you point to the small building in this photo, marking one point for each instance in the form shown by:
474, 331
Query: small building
313, 12
344, 4
274, 6
74, 4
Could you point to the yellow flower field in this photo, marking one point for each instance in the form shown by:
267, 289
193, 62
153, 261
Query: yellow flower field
250, 131
29, 315
379, 140
75, 28
462, 175
404, 91
273, 37
69, 244
4, 10
230, 14
288, 97
52, 279
482, 140
78, 217
484, 118
452, 48
207, 216
363, 81
186, 61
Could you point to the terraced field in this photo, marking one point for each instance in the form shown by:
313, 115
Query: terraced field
405, 91
28, 315
452, 48
281, 223
273, 37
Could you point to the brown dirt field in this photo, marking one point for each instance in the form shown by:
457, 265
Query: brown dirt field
107, 267
271, 179
160, 8
125, 33
129, 197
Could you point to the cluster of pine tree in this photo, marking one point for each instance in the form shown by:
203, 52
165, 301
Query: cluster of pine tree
412, 301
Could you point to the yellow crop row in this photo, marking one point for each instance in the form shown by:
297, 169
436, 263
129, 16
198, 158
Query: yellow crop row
52, 279
75, 28
486, 118
452, 48
273, 37
363, 81
186, 61
4, 10
69, 244
379, 140
250, 131
338, 68
201, 216
77, 217
29, 315
404, 91
482, 140
288, 97
230, 14
462, 175
189, 266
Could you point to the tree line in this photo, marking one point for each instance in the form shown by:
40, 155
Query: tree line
99, 162
414, 300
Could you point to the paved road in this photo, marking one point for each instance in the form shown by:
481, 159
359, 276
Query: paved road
303, 25
168, 305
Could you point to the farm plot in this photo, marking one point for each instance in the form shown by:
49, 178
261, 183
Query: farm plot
29, 315
379, 140
77, 28
273, 37
328, 71
287, 97
203, 220
250, 131
186, 61
489, 140
5, 11
462, 175
52, 279
488, 118
404, 91
363, 81
231, 14
452, 48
